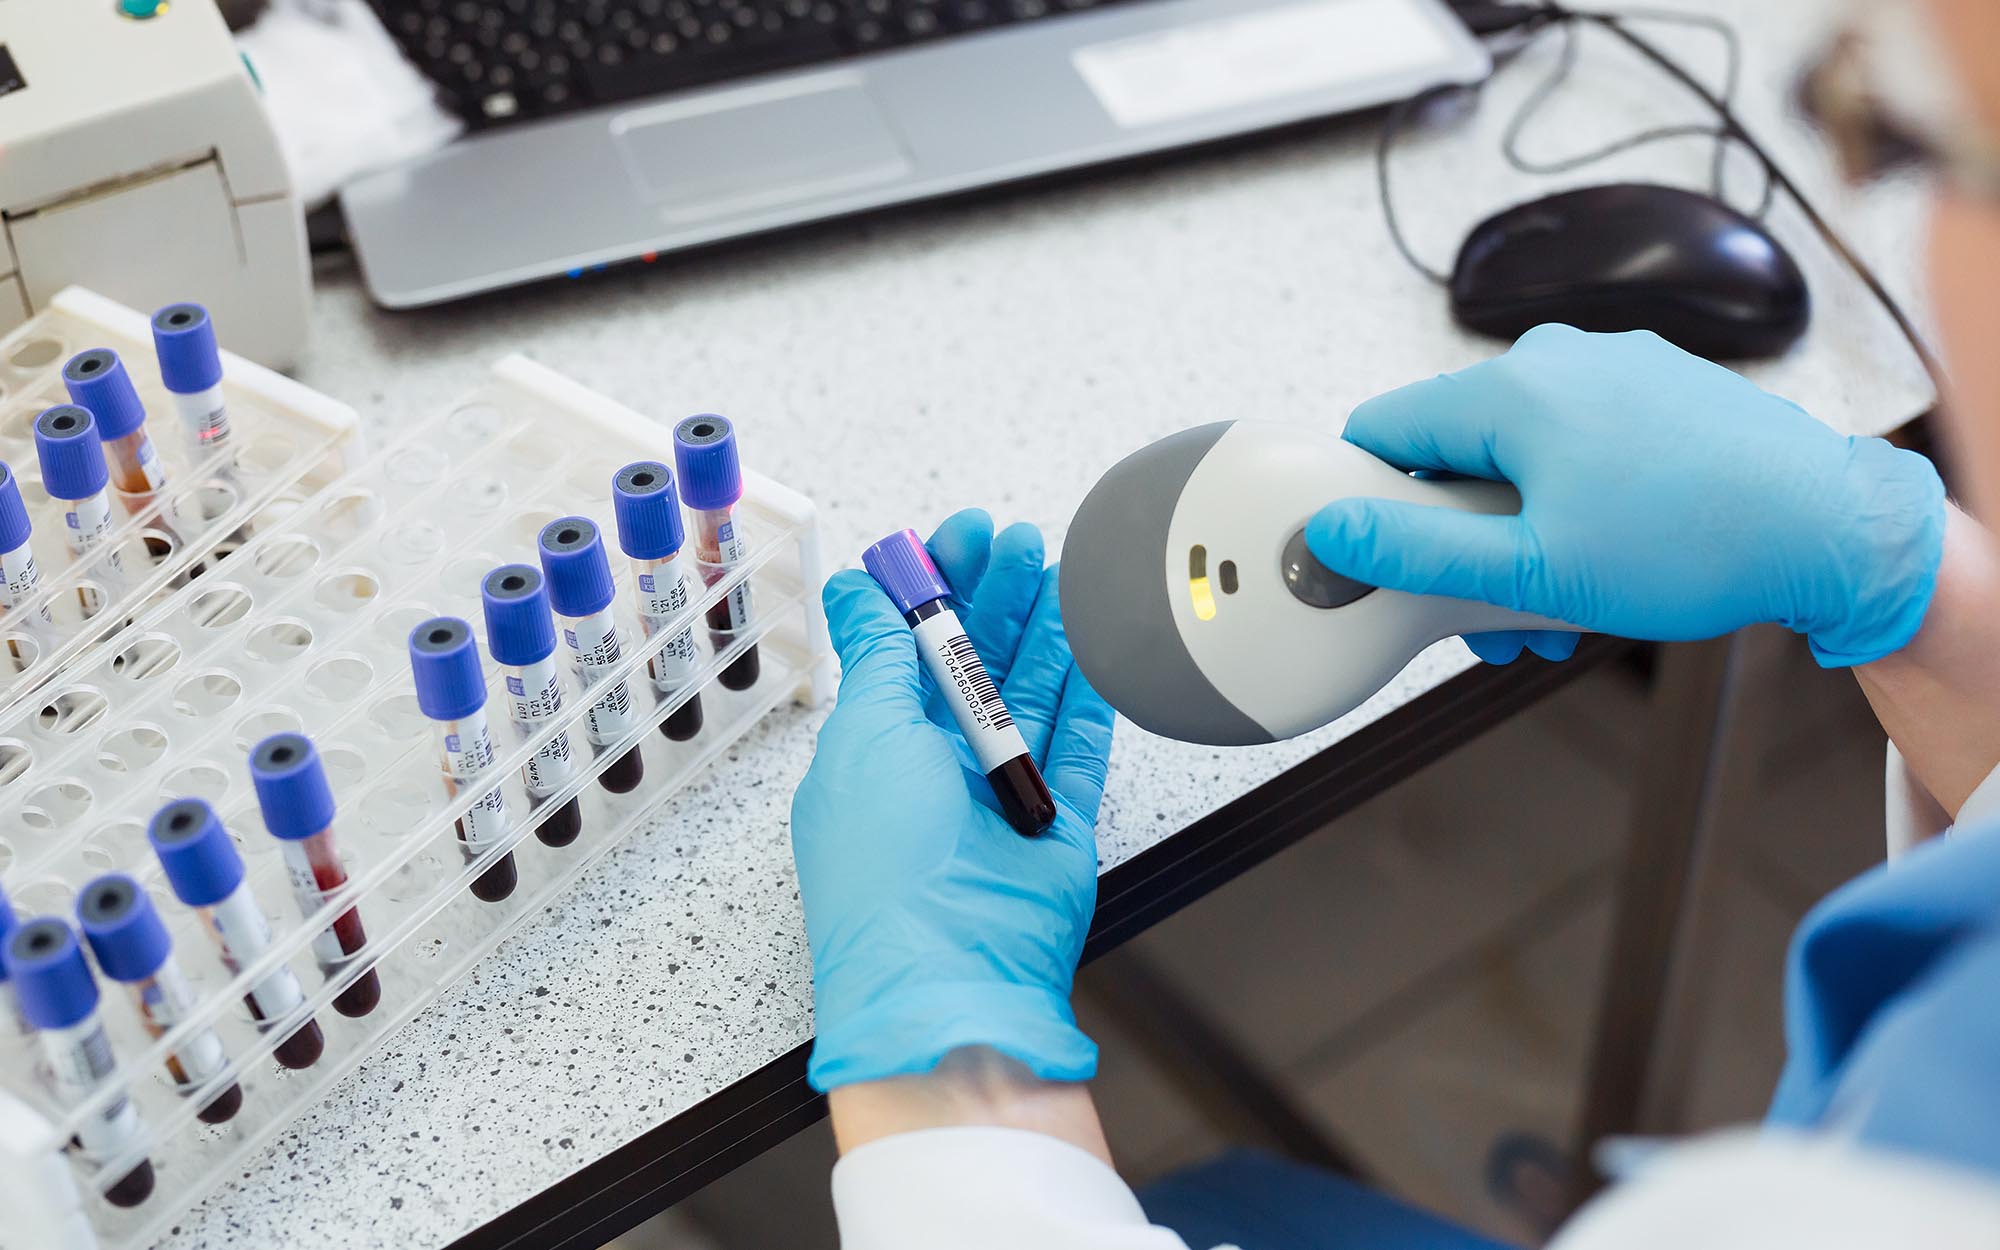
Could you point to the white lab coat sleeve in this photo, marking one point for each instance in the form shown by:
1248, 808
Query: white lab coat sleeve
1982, 807
1760, 1190
984, 1188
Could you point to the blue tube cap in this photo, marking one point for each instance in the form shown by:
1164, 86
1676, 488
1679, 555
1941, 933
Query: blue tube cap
445, 662
519, 629
51, 981
902, 567
97, 380
648, 511
200, 860
8, 923
573, 562
72, 454
184, 341
14, 523
122, 927
291, 786
705, 454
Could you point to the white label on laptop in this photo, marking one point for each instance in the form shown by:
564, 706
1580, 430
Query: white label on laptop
1210, 65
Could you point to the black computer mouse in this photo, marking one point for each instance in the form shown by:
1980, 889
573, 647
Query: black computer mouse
1633, 257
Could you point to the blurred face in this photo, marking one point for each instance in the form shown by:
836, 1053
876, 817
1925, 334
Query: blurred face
1965, 263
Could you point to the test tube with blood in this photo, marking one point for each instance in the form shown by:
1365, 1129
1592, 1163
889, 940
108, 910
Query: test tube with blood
206, 873
59, 997
451, 692
132, 947
651, 533
191, 367
298, 810
73, 470
711, 477
19, 578
8, 923
96, 379
904, 569
579, 580
521, 636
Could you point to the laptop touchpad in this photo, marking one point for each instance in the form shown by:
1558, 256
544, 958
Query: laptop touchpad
762, 146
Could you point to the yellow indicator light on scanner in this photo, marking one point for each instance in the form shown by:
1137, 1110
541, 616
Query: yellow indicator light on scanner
1198, 591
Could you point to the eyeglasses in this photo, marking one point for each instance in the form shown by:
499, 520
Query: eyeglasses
1885, 97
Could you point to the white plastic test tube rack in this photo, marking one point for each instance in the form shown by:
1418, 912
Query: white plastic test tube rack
305, 628
285, 439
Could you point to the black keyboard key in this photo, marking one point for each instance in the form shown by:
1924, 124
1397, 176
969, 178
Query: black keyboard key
500, 61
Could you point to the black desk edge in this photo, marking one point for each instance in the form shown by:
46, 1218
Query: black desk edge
674, 1159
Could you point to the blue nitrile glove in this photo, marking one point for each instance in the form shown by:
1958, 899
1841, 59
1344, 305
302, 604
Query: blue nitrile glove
1662, 497
933, 924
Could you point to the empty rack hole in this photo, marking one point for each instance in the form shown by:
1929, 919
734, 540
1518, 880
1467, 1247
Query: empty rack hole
206, 694
35, 353
71, 710
341, 679
348, 591
146, 658
286, 557
132, 749
196, 781
15, 759
279, 641
224, 605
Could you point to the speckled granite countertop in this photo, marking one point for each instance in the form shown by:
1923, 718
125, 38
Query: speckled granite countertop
1002, 352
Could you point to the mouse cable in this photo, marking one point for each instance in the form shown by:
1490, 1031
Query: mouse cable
1730, 128
1529, 22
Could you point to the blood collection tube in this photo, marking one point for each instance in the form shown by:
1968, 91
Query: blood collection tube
905, 570
650, 532
19, 577
73, 471
711, 483
451, 691
579, 581
206, 873
521, 636
59, 997
8, 923
298, 810
97, 380
132, 947
191, 366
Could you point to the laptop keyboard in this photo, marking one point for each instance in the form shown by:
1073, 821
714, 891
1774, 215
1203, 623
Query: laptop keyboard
501, 61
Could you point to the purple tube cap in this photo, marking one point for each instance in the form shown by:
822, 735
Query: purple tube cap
903, 568
51, 980
14, 523
196, 852
291, 786
184, 341
705, 454
71, 452
648, 511
519, 629
122, 927
575, 567
445, 662
97, 380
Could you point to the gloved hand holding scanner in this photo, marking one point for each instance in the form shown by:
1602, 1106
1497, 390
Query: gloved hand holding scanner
1624, 487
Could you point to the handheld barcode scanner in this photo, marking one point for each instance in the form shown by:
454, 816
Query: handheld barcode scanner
1194, 607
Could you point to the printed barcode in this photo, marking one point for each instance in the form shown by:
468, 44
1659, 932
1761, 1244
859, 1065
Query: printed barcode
979, 684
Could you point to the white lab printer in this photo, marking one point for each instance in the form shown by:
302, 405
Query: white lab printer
136, 159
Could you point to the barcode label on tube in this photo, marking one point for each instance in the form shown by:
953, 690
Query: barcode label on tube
976, 705
979, 687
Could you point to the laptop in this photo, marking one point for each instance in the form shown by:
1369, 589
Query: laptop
602, 132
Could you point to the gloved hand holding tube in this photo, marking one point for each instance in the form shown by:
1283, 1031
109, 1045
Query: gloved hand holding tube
933, 925
1662, 497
